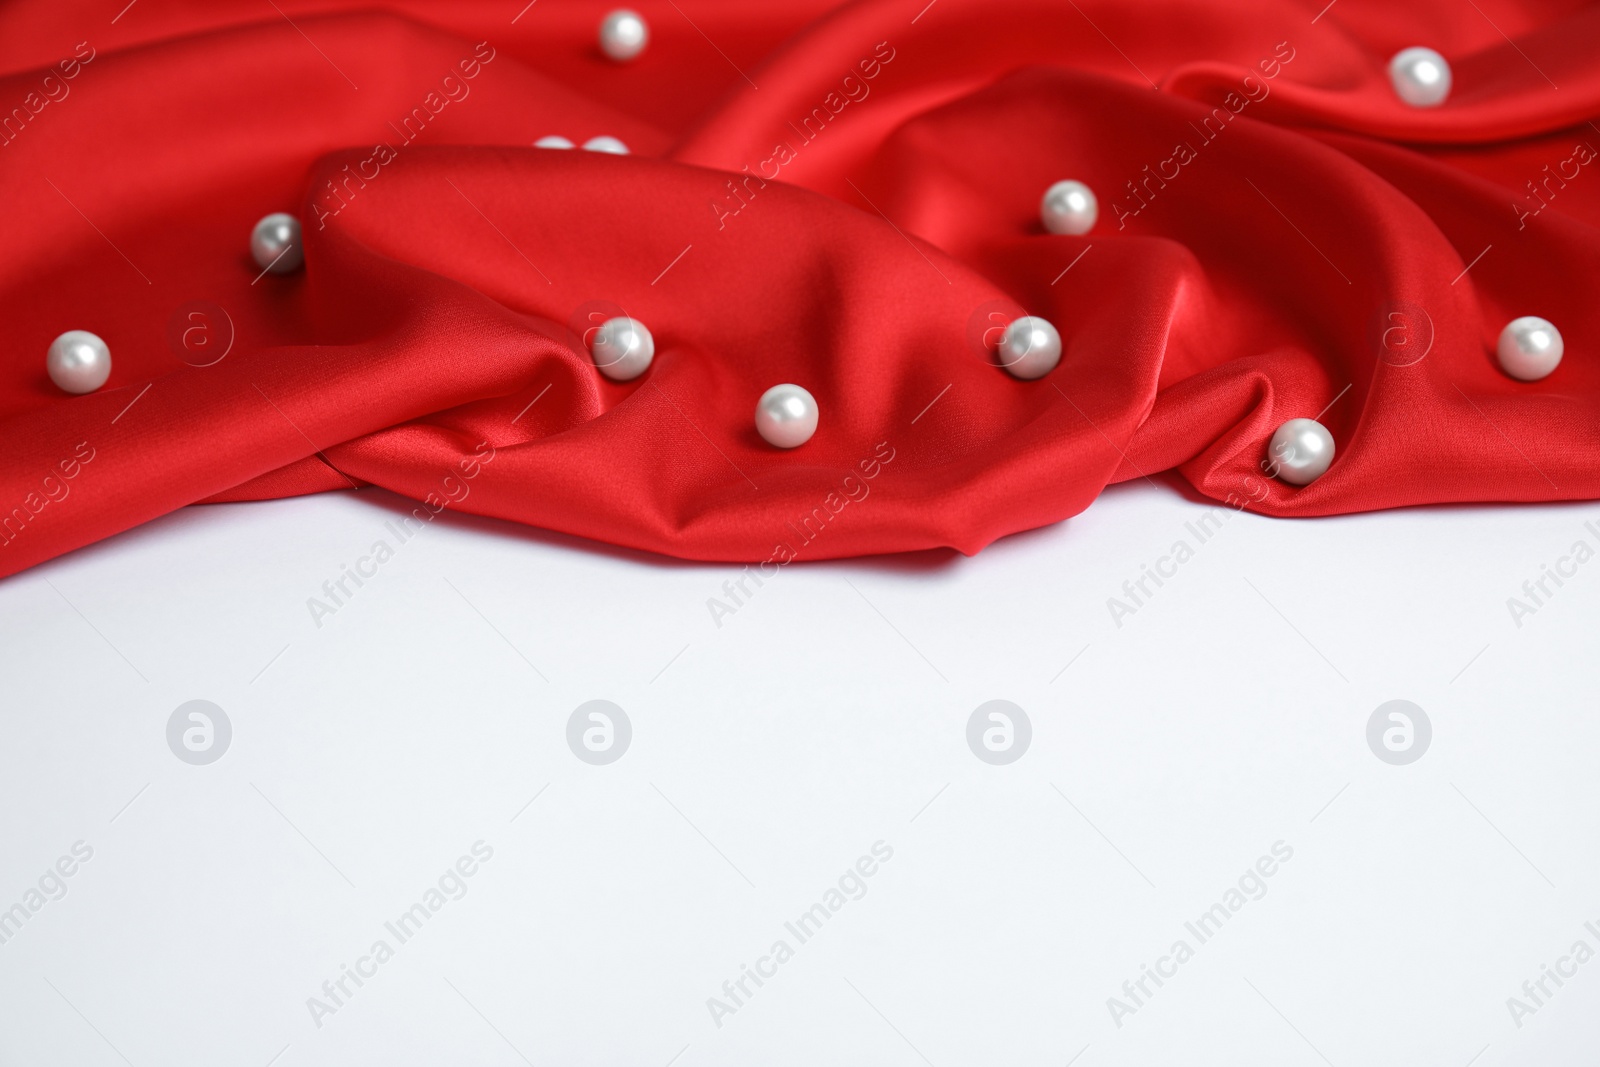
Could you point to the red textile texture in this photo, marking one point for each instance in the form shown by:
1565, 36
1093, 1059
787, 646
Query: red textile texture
843, 197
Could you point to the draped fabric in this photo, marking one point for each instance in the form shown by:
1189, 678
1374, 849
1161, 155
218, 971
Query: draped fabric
842, 197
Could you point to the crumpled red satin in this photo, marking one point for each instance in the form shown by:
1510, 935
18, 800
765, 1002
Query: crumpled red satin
844, 197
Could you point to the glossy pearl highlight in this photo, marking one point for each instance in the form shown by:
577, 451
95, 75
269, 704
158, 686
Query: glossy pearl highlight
275, 244
623, 35
1069, 207
607, 144
622, 349
78, 362
1030, 348
553, 140
1300, 452
1530, 348
786, 416
1421, 77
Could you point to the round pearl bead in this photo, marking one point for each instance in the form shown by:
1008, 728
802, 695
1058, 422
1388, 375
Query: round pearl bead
1530, 348
552, 141
1421, 77
1301, 451
275, 244
786, 416
1030, 348
623, 35
1069, 207
622, 349
606, 144
78, 362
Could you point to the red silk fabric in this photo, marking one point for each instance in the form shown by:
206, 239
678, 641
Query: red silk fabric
843, 197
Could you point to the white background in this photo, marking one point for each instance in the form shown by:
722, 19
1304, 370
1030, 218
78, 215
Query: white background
827, 714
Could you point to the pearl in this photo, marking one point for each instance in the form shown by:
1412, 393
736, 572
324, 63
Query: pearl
1530, 348
786, 416
1421, 77
622, 349
79, 362
1030, 348
1301, 451
623, 35
553, 141
1069, 207
275, 244
606, 144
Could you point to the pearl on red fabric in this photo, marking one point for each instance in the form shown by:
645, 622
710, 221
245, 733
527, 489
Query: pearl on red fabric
1421, 77
786, 416
1030, 348
1301, 451
622, 349
78, 362
605, 143
623, 35
553, 141
275, 244
1069, 207
1530, 348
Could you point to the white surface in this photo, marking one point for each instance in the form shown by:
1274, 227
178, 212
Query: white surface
767, 756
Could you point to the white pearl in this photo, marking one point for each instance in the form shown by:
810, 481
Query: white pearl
1421, 77
622, 349
275, 244
1030, 348
79, 362
623, 35
552, 141
606, 144
1069, 207
1301, 451
786, 416
1530, 348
